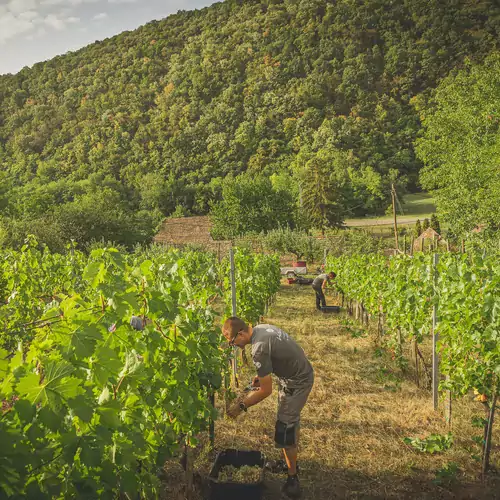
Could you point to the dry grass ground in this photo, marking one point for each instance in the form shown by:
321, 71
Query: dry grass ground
357, 415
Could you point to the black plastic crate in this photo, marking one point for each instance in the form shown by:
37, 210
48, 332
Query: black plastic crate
236, 491
304, 281
330, 309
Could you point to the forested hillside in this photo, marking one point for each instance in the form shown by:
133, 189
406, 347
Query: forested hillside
108, 140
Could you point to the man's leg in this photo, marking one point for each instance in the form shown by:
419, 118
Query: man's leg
323, 298
286, 438
318, 299
291, 402
291, 459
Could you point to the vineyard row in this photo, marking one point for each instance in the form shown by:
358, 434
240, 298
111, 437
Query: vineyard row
456, 299
91, 407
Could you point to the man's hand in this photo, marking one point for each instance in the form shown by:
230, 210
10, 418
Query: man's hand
234, 410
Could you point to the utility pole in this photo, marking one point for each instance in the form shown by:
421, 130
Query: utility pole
393, 192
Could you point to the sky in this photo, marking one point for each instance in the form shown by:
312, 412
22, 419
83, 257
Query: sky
37, 30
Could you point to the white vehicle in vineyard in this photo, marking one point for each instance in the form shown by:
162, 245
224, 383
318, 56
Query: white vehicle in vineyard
292, 272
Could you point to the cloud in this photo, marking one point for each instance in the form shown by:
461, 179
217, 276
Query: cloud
52, 21
66, 2
17, 17
41, 31
20, 6
100, 16
29, 15
12, 26
59, 23
122, 1
22, 17
52, 2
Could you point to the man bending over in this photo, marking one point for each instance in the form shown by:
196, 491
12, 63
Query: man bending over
319, 285
274, 351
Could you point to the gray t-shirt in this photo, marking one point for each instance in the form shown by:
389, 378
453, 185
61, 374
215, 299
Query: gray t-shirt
318, 281
274, 351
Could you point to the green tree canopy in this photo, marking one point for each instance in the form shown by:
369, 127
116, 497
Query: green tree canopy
250, 204
418, 228
323, 179
461, 146
161, 114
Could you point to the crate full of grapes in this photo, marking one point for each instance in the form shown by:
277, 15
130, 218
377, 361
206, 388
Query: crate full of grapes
237, 474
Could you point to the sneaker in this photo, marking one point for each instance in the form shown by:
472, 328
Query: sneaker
292, 487
278, 467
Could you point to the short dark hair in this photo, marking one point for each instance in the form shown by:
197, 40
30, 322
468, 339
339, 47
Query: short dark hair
331, 273
233, 325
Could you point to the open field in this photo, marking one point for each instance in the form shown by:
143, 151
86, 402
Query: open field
414, 206
353, 426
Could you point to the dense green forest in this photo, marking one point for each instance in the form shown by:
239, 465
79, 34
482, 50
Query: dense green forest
106, 141
460, 147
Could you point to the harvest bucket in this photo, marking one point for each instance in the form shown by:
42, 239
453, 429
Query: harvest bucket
236, 491
330, 309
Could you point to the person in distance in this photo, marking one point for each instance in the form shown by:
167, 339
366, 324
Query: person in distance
319, 285
275, 352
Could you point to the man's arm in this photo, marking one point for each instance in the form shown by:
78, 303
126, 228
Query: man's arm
265, 390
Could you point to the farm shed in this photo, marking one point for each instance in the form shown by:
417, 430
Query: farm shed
432, 236
182, 231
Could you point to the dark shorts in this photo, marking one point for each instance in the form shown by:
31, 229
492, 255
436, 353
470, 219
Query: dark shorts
291, 400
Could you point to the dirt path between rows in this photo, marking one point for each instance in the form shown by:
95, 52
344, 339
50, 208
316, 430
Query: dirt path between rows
358, 413
356, 418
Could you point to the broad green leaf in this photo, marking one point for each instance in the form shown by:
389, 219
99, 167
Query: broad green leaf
57, 384
110, 414
84, 339
92, 271
25, 410
29, 386
81, 408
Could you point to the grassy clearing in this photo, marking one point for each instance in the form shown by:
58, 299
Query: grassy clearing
414, 206
359, 412
421, 204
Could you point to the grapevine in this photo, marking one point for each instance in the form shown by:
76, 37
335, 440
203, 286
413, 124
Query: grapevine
94, 411
464, 288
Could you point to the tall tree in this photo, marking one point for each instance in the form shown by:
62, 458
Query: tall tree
323, 195
418, 228
250, 205
435, 223
461, 146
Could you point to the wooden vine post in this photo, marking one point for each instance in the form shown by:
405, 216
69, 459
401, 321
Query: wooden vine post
489, 429
393, 193
447, 405
435, 359
234, 360
211, 424
415, 352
